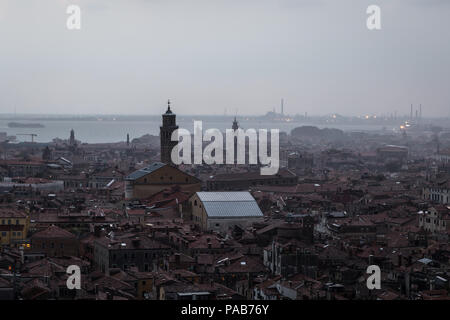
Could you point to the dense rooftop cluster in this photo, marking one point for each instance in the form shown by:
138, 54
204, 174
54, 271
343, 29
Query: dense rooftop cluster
142, 229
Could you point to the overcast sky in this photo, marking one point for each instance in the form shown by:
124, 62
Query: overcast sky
212, 55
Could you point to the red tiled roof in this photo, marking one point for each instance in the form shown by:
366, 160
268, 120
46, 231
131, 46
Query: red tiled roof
11, 213
53, 232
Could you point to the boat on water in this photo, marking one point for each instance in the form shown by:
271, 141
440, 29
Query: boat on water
25, 125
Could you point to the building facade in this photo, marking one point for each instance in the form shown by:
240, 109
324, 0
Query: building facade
435, 219
158, 176
13, 227
55, 242
245, 180
439, 192
142, 253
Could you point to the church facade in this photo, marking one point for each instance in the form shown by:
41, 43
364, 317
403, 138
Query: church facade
162, 175
156, 177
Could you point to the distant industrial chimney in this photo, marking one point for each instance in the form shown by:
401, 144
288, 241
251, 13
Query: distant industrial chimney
282, 107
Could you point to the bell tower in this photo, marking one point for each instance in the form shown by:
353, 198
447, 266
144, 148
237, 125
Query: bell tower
235, 125
165, 133
72, 138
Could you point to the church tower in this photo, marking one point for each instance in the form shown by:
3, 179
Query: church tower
235, 125
72, 138
165, 133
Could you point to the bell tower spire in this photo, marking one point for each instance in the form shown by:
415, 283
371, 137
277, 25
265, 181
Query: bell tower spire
169, 125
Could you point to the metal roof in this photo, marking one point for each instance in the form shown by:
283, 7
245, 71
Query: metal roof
226, 209
225, 196
230, 204
144, 171
425, 260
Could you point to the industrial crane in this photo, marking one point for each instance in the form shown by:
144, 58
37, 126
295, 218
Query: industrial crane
32, 135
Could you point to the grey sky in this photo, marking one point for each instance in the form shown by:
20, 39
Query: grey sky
208, 55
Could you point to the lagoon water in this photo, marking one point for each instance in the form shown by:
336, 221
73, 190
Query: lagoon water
108, 129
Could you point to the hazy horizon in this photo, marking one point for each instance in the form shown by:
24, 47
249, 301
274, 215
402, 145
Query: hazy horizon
75, 115
209, 56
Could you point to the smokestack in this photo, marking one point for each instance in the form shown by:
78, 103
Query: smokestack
282, 107
437, 145
420, 112
411, 114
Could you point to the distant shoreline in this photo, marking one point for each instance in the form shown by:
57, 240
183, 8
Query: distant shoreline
25, 125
